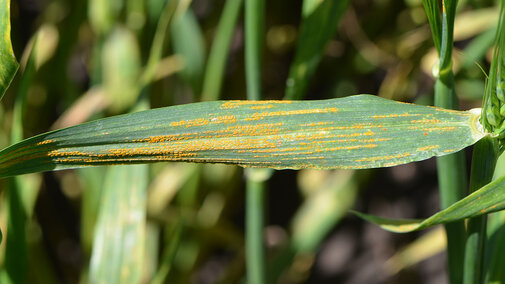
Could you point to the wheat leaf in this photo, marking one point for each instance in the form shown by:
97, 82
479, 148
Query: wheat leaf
9, 65
352, 133
489, 198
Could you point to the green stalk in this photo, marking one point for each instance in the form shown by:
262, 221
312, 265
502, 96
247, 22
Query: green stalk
255, 187
451, 168
452, 183
485, 155
255, 256
254, 14
219, 51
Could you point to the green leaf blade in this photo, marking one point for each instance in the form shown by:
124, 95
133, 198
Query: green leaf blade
118, 246
188, 41
355, 132
488, 199
9, 65
320, 21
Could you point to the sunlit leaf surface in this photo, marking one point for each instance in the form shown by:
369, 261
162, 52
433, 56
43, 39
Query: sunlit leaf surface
8, 63
118, 246
354, 132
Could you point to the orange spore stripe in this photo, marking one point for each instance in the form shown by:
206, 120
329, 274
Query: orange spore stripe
236, 104
381, 158
428, 148
393, 115
262, 115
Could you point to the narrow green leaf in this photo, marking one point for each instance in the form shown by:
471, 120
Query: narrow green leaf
164, 21
446, 45
92, 182
494, 249
495, 259
189, 42
488, 199
485, 155
218, 52
121, 69
333, 195
433, 12
354, 132
476, 50
9, 65
170, 251
320, 20
118, 246
423, 248
16, 254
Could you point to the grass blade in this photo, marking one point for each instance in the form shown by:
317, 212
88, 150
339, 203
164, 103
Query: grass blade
92, 181
324, 208
320, 20
156, 51
169, 253
423, 248
494, 248
16, 251
8, 63
490, 198
433, 12
118, 246
332, 195
446, 45
256, 180
495, 259
485, 155
188, 41
354, 132
219, 50
121, 64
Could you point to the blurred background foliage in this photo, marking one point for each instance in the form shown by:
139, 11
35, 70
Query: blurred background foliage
184, 223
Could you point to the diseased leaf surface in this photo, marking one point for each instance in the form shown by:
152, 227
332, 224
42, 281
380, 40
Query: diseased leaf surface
355, 132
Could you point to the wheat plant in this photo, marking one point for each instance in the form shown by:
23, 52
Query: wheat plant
130, 234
